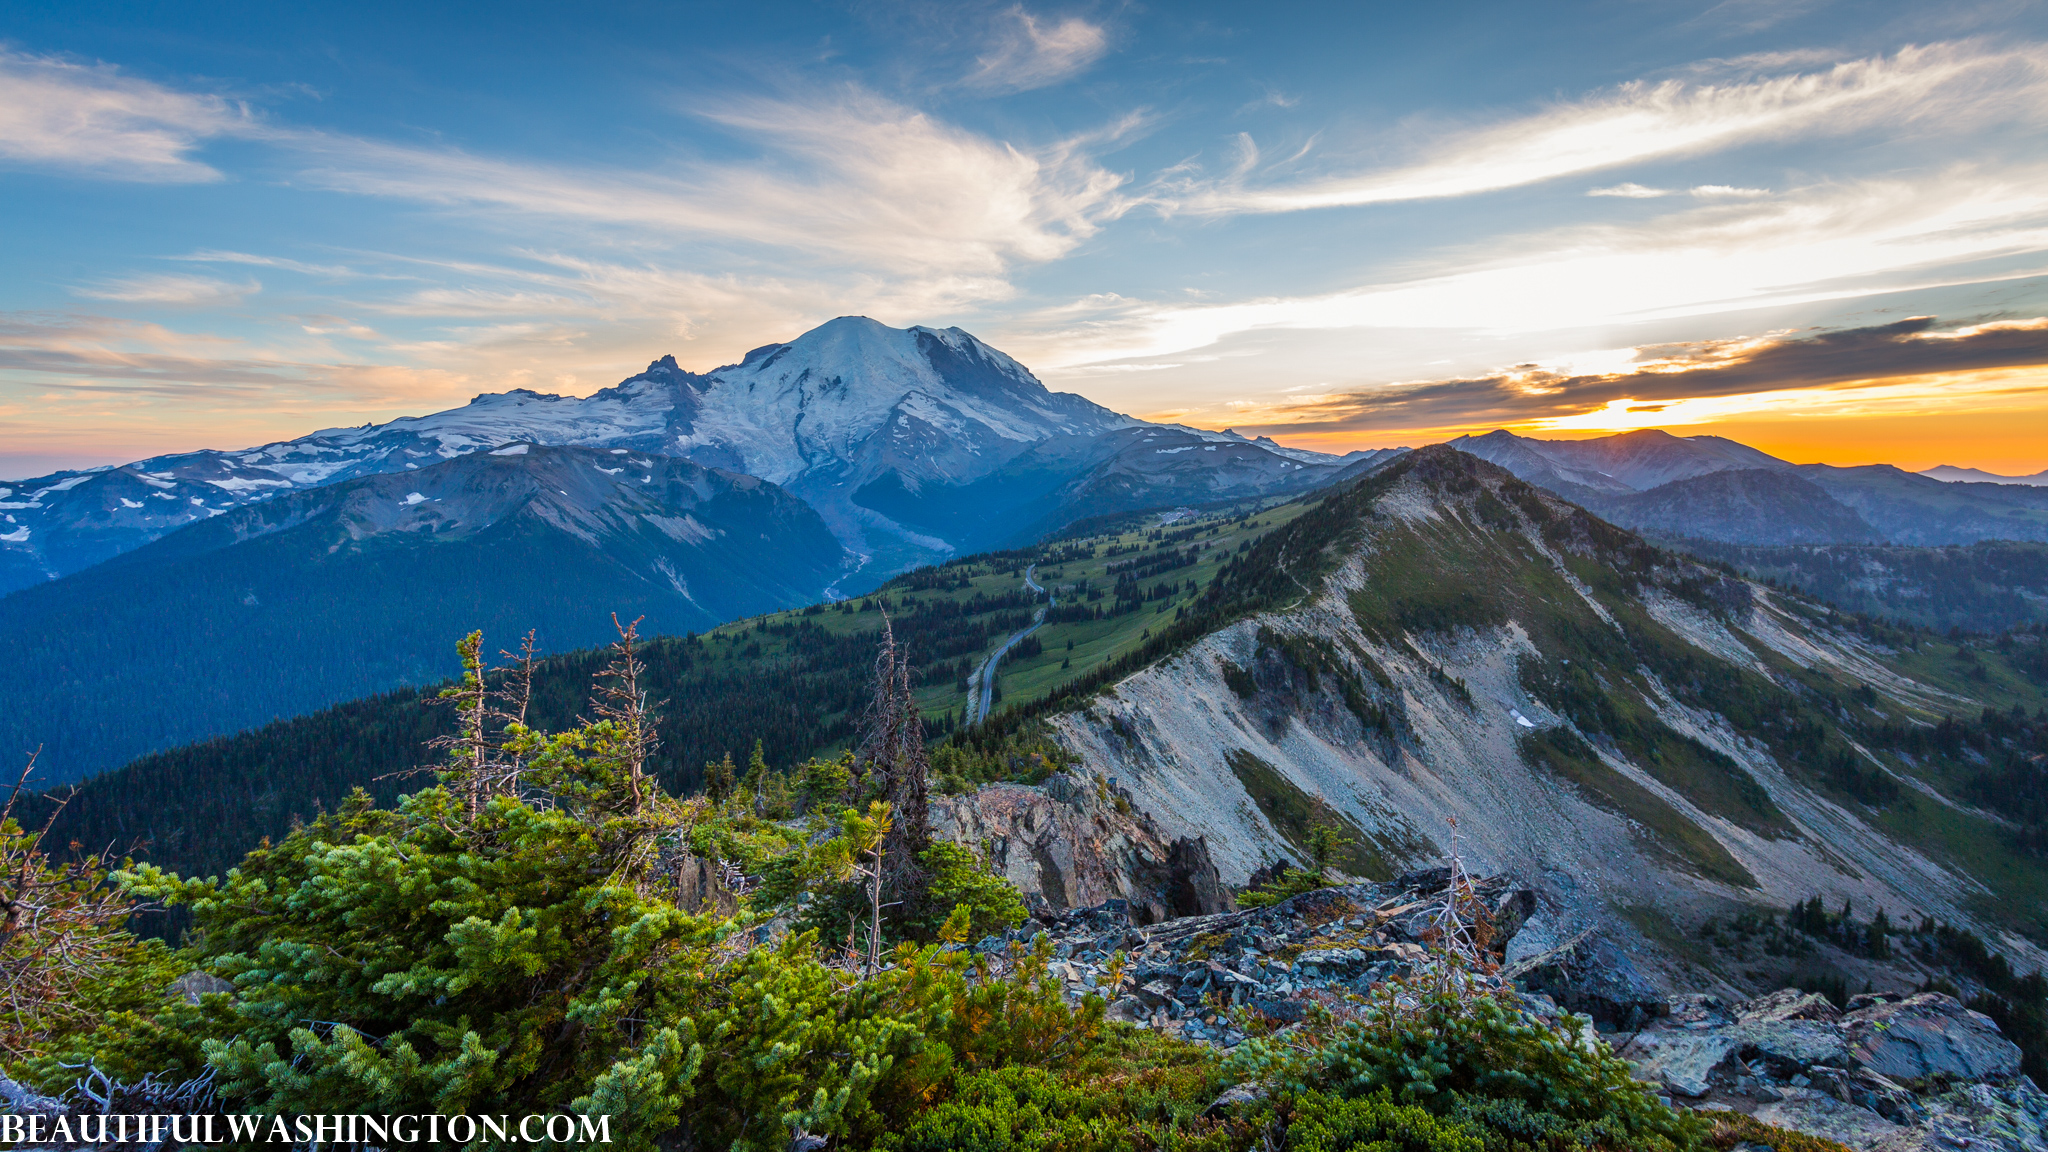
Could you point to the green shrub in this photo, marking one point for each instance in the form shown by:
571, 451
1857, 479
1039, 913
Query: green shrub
961, 880
1013, 1110
1470, 1055
1373, 1124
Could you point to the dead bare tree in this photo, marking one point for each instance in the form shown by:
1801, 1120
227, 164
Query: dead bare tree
510, 702
624, 703
469, 747
892, 751
60, 925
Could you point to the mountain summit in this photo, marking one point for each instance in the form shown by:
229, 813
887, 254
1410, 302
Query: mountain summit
853, 398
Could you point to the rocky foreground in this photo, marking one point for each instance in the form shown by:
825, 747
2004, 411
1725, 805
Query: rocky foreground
1891, 1073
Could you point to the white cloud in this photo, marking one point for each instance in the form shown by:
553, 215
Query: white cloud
1950, 85
1026, 54
1823, 243
96, 121
1712, 191
847, 176
1631, 191
172, 289
215, 256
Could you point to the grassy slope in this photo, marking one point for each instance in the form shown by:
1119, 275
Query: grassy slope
1026, 679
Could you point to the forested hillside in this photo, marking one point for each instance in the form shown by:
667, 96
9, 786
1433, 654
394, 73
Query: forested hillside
792, 680
1988, 586
278, 608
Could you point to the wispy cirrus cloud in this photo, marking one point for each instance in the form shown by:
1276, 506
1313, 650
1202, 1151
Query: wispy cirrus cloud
1629, 191
84, 355
1027, 53
1737, 102
95, 120
171, 290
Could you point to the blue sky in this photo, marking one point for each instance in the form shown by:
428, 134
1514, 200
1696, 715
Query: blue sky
1348, 224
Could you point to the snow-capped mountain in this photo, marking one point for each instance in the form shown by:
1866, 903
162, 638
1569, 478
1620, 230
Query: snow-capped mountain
863, 421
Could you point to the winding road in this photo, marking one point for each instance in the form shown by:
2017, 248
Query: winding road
985, 677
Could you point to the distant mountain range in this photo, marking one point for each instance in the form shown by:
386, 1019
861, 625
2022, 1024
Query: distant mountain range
888, 433
1711, 488
196, 594
1950, 474
190, 595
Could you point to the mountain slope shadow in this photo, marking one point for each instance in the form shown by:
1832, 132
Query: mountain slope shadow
283, 607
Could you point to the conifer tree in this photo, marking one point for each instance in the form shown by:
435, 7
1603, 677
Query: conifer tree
720, 779
754, 786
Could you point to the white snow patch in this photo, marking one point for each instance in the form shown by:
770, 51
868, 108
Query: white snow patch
1171, 451
412, 498
63, 485
611, 471
243, 484
127, 503
510, 450
19, 535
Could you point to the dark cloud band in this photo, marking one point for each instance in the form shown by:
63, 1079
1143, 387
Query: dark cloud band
1907, 348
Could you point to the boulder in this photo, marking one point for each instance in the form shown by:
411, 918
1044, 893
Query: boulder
1511, 912
1696, 1010
1425, 880
1684, 1063
1788, 1004
1236, 1098
1929, 1036
1814, 1111
1533, 937
1789, 1047
1194, 886
1590, 974
194, 984
1867, 1089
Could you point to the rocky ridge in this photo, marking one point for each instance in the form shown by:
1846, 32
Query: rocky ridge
1891, 1073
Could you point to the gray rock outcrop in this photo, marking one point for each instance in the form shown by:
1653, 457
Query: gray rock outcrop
1077, 843
1891, 1074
